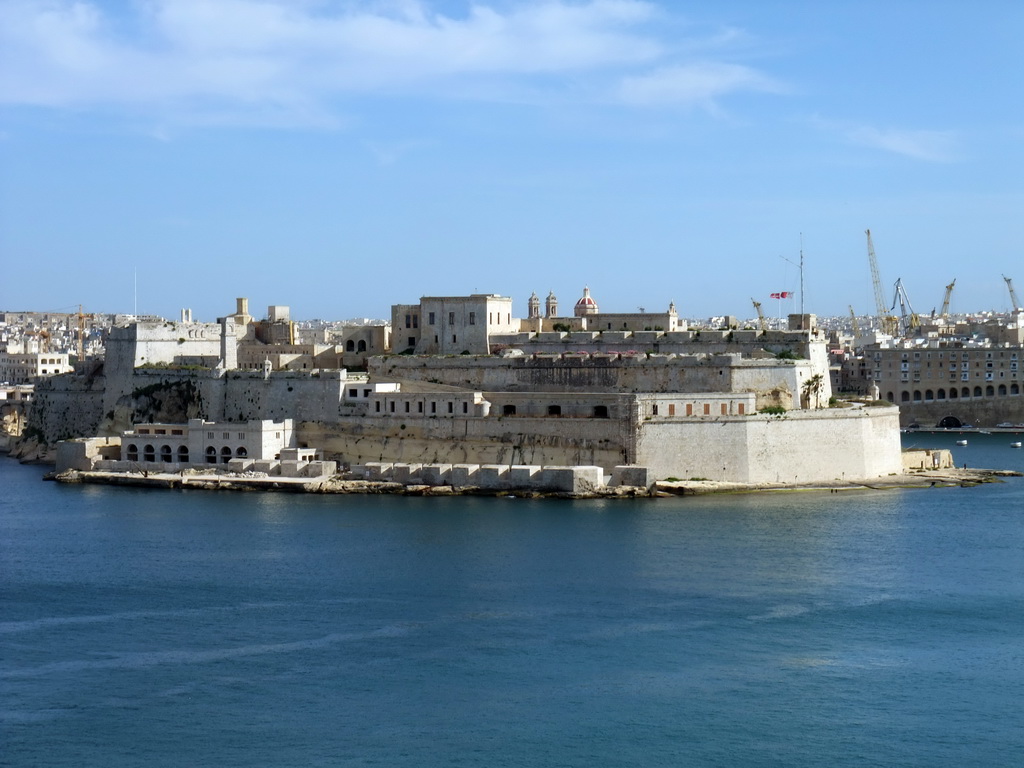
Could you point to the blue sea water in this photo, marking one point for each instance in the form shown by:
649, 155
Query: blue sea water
172, 628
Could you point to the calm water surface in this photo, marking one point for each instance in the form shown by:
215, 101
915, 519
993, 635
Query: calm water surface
166, 628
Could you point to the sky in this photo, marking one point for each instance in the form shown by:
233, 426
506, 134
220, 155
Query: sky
341, 156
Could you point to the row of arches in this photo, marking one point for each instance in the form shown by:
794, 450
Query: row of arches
168, 454
954, 394
351, 346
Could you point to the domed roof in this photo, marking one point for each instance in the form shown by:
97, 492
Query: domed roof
586, 305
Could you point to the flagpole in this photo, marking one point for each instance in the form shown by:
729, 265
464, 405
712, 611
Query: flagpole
801, 276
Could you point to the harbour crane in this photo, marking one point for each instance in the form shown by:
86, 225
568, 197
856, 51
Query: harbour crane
885, 317
82, 317
760, 315
1014, 301
911, 321
853, 322
945, 300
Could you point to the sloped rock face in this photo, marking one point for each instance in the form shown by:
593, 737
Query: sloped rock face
62, 407
165, 401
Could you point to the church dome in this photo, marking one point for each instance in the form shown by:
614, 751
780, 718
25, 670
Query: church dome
586, 305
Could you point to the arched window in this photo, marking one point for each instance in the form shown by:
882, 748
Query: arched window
940, 395
889, 397
990, 391
165, 453
1002, 389
929, 395
917, 395
225, 455
508, 410
350, 346
965, 392
149, 453
361, 346
1014, 389
211, 455
952, 393
183, 454
977, 391
241, 452
133, 452
904, 397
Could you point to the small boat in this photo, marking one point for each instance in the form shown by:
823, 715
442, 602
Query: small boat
1015, 445
961, 442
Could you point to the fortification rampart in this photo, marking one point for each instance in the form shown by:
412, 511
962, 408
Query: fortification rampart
777, 382
63, 407
979, 411
490, 440
794, 447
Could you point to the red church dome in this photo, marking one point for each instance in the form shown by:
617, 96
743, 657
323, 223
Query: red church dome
586, 305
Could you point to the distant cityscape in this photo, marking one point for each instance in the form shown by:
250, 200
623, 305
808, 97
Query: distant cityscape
463, 380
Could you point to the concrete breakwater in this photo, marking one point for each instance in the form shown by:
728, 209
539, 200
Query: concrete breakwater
348, 483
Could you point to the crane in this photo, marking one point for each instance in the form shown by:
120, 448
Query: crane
1013, 296
885, 317
945, 300
82, 317
853, 322
760, 315
911, 321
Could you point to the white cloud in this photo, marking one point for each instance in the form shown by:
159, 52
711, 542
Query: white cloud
288, 59
699, 84
929, 145
934, 146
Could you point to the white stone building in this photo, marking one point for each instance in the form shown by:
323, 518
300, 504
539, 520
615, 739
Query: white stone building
207, 442
452, 325
27, 368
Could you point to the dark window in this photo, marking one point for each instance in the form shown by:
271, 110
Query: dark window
430, 318
601, 411
554, 410
508, 410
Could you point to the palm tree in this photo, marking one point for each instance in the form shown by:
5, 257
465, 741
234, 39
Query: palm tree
812, 388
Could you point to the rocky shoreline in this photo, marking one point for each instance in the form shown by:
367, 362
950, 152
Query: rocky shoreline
223, 481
